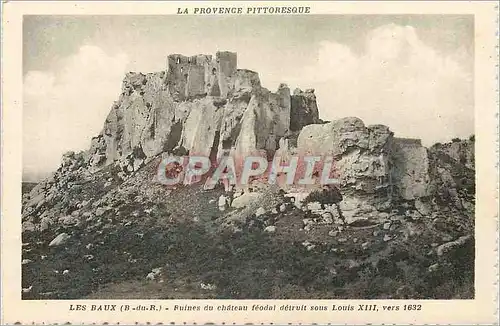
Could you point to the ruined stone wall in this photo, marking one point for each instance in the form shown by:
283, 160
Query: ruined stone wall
186, 77
195, 81
227, 62
211, 79
284, 103
195, 76
409, 164
178, 68
408, 142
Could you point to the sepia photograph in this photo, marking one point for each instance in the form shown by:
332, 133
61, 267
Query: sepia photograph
249, 163
248, 157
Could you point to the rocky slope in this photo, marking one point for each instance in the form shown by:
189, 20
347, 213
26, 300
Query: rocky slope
103, 226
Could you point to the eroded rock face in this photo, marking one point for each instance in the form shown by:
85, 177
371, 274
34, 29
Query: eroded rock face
143, 117
461, 151
361, 156
452, 176
369, 159
200, 105
374, 168
360, 153
304, 109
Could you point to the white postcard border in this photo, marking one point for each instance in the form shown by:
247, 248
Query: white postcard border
481, 310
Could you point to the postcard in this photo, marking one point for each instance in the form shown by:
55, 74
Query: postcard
249, 162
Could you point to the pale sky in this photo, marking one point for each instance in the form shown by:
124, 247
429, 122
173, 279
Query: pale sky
412, 73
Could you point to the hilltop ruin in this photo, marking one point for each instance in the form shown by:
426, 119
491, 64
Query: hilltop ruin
103, 218
198, 105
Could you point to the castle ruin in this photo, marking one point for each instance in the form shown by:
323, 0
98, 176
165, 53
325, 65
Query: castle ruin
201, 75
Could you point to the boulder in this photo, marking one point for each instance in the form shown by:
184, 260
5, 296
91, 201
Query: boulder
432, 268
308, 245
27, 290
208, 286
222, 202
359, 152
246, 199
69, 220
59, 240
333, 233
28, 226
446, 247
155, 274
260, 211
356, 208
101, 211
45, 222
423, 207
303, 109
270, 229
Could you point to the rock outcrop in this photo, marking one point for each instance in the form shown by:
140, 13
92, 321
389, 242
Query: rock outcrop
376, 169
207, 106
398, 207
304, 109
369, 158
452, 177
202, 106
361, 162
360, 153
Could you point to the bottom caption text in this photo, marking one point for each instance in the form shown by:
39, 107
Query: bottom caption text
245, 307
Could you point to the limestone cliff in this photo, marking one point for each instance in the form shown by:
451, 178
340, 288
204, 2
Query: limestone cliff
199, 105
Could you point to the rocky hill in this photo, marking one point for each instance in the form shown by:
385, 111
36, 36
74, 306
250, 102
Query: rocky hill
102, 226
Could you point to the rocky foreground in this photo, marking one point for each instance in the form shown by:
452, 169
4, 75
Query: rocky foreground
102, 226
